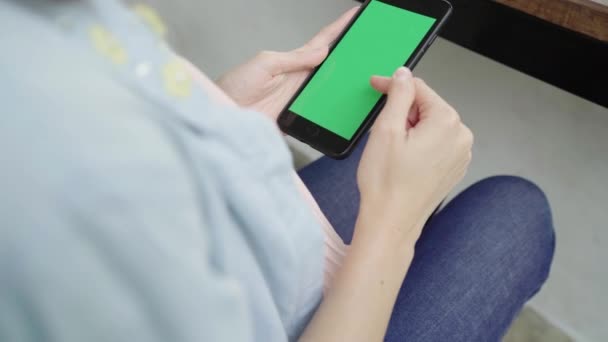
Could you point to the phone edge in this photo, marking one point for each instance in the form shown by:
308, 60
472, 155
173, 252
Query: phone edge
381, 102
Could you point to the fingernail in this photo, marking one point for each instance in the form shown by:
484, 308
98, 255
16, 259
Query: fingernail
403, 73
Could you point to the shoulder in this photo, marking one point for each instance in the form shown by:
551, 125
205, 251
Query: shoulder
73, 139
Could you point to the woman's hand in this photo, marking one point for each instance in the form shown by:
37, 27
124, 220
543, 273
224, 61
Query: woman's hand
418, 150
268, 81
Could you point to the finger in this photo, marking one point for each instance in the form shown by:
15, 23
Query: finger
380, 83
413, 117
400, 98
297, 60
428, 102
331, 32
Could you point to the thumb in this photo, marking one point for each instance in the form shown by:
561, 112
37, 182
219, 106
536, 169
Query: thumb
400, 94
297, 60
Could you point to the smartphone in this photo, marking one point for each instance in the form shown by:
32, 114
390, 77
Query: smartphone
336, 105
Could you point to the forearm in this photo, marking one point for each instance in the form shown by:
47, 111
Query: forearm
359, 304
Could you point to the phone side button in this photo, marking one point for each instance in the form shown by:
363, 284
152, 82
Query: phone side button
431, 41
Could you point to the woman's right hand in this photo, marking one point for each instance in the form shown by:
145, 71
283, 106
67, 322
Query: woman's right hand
417, 151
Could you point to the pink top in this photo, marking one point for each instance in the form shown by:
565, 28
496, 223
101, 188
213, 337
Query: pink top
335, 249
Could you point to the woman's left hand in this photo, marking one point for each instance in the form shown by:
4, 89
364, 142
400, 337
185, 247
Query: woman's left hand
268, 81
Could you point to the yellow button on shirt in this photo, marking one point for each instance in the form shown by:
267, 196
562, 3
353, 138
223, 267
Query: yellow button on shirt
177, 80
151, 18
105, 42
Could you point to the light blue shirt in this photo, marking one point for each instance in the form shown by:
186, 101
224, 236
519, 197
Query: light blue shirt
131, 207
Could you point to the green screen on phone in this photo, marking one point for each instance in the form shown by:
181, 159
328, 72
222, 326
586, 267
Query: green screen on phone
339, 96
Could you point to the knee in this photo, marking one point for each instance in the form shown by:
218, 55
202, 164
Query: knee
526, 229
517, 195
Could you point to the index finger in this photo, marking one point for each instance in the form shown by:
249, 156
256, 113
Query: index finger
427, 100
331, 32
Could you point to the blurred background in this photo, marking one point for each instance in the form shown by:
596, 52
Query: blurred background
506, 84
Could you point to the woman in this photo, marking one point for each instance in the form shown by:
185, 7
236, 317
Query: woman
143, 202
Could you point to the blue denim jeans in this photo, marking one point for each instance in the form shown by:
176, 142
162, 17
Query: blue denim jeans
478, 261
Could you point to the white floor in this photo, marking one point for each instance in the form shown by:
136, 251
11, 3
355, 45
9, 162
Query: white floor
522, 127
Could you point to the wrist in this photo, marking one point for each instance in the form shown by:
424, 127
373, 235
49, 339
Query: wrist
382, 252
389, 232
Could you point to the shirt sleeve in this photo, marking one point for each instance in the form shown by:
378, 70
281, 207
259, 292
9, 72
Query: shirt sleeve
68, 276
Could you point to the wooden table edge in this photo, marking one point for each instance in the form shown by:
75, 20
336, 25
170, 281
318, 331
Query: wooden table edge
583, 16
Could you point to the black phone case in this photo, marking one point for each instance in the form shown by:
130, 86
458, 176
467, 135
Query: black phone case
368, 123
